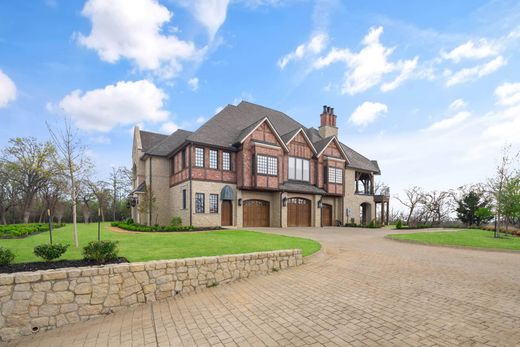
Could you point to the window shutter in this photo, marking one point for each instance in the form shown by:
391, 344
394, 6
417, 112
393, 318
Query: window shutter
253, 166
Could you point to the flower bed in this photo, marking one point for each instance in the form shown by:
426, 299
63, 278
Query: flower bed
157, 228
12, 231
43, 265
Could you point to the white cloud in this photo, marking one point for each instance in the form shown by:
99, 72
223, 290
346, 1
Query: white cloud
508, 94
120, 104
100, 140
210, 13
472, 50
457, 105
218, 109
367, 112
133, 30
193, 83
7, 90
450, 122
468, 74
312, 47
367, 68
169, 127
200, 120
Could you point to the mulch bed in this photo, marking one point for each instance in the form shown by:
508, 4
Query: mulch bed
122, 230
41, 265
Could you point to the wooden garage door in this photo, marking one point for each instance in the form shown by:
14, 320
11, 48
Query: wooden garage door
326, 215
298, 212
256, 213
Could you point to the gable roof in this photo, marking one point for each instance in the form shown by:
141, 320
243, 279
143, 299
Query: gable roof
287, 138
247, 131
233, 123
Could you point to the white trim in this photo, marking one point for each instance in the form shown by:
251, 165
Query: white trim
306, 139
261, 144
335, 159
339, 147
272, 128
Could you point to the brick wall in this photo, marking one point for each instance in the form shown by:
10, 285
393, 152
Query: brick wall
42, 300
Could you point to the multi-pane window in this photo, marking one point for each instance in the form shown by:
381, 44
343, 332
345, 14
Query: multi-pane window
267, 165
199, 157
213, 203
335, 175
184, 199
213, 159
299, 169
199, 202
226, 161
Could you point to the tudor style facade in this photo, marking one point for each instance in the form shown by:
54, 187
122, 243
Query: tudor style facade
251, 166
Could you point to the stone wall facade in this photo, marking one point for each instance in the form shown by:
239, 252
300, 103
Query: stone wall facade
42, 300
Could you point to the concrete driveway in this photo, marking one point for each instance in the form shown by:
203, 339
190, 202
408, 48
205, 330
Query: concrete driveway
360, 290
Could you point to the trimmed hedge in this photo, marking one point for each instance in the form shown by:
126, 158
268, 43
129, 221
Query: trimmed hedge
100, 251
50, 252
140, 227
12, 231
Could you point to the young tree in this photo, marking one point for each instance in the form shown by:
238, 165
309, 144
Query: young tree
31, 165
413, 198
510, 203
121, 184
76, 165
147, 204
102, 193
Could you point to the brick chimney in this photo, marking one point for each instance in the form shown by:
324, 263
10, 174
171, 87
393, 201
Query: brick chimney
328, 122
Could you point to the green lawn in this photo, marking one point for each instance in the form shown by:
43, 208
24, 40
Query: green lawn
463, 238
154, 246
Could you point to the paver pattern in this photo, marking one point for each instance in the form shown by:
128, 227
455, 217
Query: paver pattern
361, 290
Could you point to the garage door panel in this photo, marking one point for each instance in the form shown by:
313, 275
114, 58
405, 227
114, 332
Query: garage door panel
256, 213
298, 212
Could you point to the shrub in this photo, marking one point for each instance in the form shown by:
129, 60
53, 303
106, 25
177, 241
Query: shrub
100, 251
50, 252
374, 224
176, 221
399, 224
129, 221
6, 256
140, 227
22, 230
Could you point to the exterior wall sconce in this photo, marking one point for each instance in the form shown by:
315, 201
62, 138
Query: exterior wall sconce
320, 204
284, 202
239, 202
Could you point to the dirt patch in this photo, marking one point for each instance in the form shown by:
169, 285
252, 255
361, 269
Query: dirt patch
41, 265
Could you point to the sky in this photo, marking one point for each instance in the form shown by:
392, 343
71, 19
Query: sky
429, 89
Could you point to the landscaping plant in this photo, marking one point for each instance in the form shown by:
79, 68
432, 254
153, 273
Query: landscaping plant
50, 252
6, 256
100, 251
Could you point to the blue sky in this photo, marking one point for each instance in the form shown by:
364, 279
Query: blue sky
429, 89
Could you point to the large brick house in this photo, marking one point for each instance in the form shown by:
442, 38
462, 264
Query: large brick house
250, 166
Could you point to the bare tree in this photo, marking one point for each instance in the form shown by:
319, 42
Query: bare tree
31, 165
413, 198
437, 205
120, 181
76, 164
102, 193
8, 193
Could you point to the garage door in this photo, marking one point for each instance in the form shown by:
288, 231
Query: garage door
326, 215
256, 213
298, 212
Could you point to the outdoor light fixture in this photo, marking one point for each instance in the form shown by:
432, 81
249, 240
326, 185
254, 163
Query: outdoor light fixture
239, 202
284, 201
320, 204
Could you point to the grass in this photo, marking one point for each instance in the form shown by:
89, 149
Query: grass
463, 238
161, 245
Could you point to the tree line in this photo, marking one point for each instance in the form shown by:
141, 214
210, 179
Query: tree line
56, 176
495, 200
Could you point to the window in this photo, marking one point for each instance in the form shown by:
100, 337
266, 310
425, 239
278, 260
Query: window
299, 169
213, 203
183, 158
226, 161
199, 157
335, 175
184, 199
213, 159
266, 165
199, 202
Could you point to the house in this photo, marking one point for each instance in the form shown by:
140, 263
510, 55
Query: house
251, 166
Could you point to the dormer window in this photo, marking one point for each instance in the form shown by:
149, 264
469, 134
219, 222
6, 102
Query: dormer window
266, 165
213, 159
335, 175
299, 169
199, 157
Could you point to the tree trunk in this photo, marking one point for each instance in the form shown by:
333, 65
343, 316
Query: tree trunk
4, 221
74, 211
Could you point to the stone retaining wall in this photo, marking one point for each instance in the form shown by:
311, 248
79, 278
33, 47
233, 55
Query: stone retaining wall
41, 300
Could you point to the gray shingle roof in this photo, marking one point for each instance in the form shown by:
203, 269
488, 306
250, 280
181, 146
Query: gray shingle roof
149, 139
169, 143
297, 187
232, 123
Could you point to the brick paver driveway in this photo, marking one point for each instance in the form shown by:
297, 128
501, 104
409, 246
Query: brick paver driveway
361, 290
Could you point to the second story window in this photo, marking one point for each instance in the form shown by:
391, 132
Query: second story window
226, 161
199, 157
299, 169
183, 158
335, 175
213, 159
266, 165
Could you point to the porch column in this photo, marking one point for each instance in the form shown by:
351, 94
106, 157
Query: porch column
387, 212
383, 213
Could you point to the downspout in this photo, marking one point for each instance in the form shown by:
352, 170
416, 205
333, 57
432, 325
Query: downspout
150, 196
191, 185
